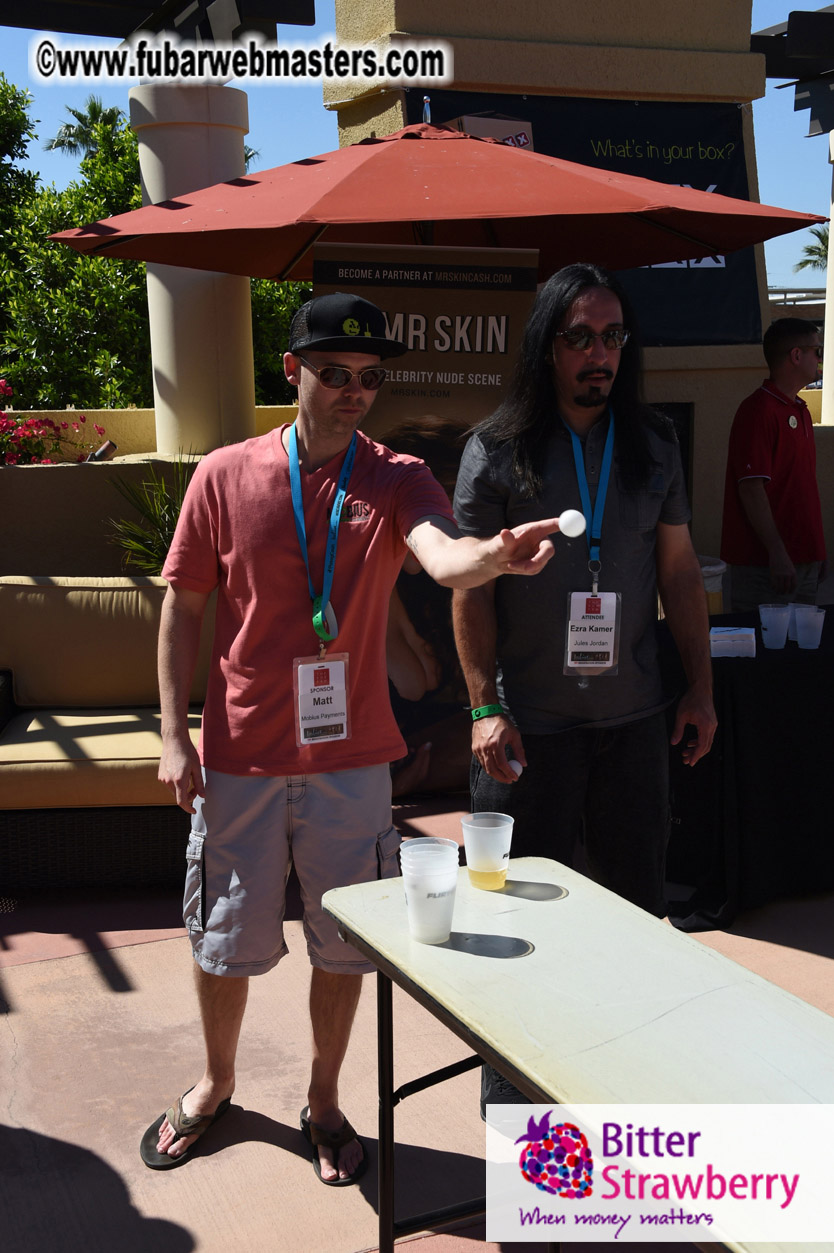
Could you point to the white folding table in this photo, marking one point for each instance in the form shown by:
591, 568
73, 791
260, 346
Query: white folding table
576, 996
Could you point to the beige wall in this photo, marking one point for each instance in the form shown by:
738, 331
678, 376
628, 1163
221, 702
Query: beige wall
714, 381
57, 519
710, 24
134, 430
600, 49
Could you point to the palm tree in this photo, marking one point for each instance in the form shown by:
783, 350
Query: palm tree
79, 136
815, 256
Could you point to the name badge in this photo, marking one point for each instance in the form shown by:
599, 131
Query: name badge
322, 704
592, 646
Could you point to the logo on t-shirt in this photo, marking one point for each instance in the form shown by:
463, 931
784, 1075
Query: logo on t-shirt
356, 511
321, 676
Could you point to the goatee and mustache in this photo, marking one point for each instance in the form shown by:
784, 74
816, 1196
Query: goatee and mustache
594, 397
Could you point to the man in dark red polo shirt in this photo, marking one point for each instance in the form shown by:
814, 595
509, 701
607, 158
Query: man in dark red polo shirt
772, 532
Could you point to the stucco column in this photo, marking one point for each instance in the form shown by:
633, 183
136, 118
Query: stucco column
200, 321
828, 364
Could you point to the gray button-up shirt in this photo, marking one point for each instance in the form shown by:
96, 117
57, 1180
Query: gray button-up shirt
532, 613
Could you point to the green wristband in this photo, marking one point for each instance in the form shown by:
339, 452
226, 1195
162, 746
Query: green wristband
486, 711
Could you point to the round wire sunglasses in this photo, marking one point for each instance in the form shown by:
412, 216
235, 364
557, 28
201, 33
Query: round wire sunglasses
335, 377
581, 340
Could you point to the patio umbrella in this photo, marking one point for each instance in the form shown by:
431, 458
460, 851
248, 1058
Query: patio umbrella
432, 184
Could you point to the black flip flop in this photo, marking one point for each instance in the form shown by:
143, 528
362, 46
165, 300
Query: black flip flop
333, 1140
184, 1125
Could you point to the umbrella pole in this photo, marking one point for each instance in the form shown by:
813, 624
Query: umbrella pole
284, 274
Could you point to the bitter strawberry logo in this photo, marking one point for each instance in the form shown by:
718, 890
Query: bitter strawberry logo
557, 1158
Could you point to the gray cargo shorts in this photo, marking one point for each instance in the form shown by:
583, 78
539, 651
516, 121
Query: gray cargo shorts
246, 834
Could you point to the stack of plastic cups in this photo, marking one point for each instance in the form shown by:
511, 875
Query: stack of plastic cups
430, 876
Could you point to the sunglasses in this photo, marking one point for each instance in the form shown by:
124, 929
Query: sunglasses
817, 348
335, 377
581, 340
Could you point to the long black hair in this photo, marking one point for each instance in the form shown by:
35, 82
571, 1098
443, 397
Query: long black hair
527, 414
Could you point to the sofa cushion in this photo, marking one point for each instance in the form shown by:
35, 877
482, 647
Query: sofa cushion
86, 643
67, 758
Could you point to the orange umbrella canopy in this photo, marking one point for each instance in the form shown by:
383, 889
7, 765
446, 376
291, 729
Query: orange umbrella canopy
432, 184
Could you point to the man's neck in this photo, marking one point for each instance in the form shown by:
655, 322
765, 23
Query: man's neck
581, 420
315, 449
788, 383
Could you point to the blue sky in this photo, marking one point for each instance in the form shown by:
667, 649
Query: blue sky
290, 122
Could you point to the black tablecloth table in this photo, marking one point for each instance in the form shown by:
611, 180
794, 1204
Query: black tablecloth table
754, 820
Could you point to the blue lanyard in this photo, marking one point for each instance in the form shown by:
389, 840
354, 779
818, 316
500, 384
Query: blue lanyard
320, 603
593, 521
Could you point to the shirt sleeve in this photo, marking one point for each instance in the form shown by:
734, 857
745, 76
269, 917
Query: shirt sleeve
480, 504
192, 558
419, 495
750, 454
675, 509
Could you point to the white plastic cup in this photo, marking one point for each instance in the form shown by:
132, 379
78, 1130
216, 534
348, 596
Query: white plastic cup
430, 876
430, 846
774, 623
792, 621
487, 838
809, 624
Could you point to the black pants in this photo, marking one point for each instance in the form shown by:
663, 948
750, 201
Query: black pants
612, 784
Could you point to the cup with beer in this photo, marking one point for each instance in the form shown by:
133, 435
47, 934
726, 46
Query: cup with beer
486, 839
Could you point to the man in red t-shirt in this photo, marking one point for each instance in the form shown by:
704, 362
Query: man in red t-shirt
772, 534
302, 532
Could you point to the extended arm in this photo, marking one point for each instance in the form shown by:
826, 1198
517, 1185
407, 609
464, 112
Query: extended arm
473, 614
461, 561
681, 588
179, 641
756, 505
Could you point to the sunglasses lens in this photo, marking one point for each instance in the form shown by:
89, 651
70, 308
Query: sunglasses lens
334, 377
580, 340
373, 379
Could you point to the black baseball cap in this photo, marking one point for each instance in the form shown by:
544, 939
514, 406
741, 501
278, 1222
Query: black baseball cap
343, 323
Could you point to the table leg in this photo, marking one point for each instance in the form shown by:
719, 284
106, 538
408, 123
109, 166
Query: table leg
385, 1062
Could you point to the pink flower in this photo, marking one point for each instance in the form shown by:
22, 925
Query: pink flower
81, 418
46, 461
99, 430
11, 459
80, 457
65, 426
76, 427
6, 388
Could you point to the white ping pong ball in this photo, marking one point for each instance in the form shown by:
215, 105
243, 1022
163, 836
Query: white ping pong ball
571, 523
515, 766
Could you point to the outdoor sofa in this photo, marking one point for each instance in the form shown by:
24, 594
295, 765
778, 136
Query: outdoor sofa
80, 801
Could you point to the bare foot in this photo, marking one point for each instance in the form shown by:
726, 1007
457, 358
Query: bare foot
350, 1155
203, 1099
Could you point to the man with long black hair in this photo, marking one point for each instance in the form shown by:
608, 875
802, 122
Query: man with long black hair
562, 672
